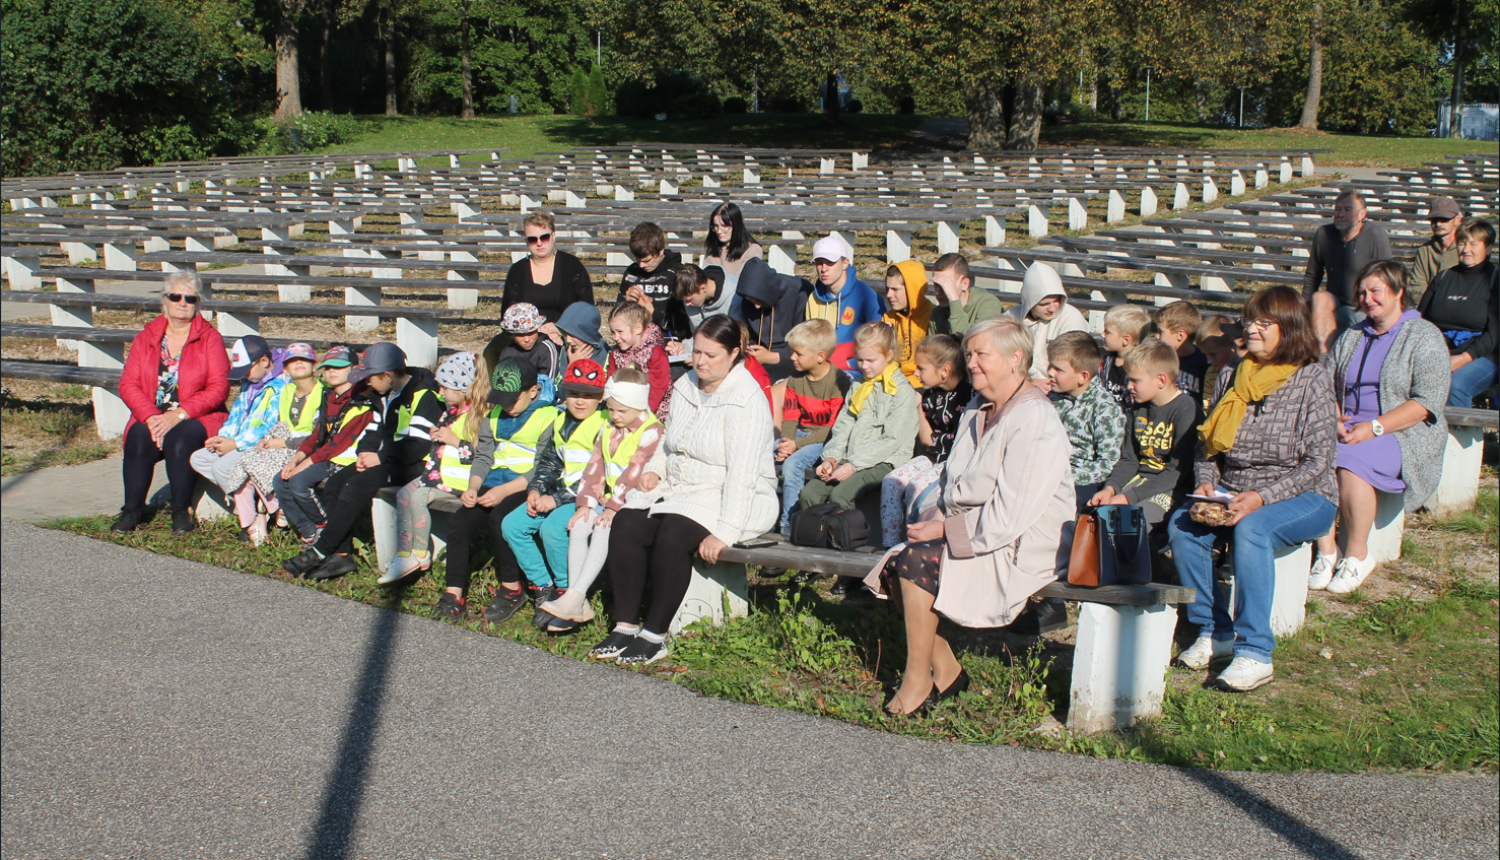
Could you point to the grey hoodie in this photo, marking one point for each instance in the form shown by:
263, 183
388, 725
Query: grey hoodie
725, 301
1042, 333
582, 320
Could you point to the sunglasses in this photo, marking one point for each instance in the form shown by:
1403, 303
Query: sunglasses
537, 240
190, 298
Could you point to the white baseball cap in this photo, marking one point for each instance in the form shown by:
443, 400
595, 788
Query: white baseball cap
832, 248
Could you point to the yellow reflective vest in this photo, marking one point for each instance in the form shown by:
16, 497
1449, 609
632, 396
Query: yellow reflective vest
616, 461
518, 453
304, 424
577, 448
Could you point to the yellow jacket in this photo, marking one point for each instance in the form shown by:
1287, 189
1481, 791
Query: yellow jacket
911, 324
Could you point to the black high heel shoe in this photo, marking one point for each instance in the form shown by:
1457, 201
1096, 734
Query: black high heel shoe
931, 700
959, 685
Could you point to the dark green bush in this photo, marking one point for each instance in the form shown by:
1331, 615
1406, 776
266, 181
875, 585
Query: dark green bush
696, 105
735, 104
674, 93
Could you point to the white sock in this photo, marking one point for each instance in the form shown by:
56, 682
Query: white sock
654, 638
628, 629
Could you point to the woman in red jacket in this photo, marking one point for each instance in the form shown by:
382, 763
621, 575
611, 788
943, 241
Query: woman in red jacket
175, 381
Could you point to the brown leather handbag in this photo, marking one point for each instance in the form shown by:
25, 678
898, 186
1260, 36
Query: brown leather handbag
1083, 563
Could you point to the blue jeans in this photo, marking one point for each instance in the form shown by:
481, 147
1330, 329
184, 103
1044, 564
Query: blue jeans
520, 530
794, 476
299, 498
1256, 539
1470, 381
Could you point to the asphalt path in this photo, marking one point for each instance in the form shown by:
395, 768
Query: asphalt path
158, 708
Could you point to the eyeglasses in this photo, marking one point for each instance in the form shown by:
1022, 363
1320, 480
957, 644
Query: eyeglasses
537, 240
190, 298
1260, 324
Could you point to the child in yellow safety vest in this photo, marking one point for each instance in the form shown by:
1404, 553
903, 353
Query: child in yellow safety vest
608, 483
445, 472
561, 457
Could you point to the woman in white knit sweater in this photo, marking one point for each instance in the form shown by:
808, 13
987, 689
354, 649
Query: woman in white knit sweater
710, 484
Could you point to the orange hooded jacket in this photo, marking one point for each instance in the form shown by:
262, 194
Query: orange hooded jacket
911, 323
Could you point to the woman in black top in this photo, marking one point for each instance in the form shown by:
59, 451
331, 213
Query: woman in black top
1464, 303
549, 278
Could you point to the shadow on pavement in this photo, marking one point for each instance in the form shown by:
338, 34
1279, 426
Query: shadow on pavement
346, 784
1299, 833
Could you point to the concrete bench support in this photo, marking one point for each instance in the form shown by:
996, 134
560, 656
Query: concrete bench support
1289, 605
716, 591
897, 246
237, 325
418, 338
1385, 534
1119, 665
361, 296
1459, 487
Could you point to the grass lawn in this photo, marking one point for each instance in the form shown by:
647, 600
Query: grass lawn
1399, 676
525, 136
48, 425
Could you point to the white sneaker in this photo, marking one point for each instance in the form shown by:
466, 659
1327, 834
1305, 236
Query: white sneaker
1322, 571
1245, 674
1205, 651
403, 566
1351, 574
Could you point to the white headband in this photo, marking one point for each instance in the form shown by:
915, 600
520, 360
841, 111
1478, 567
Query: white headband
631, 395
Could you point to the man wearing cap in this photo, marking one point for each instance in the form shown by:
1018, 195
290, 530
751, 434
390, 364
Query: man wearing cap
1441, 251
840, 297
403, 405
257, 368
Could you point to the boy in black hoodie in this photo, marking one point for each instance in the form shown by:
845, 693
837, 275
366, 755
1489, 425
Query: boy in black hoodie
390, 453
773, 304
651, 280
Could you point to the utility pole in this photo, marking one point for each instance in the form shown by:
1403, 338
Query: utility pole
1242, 107
1148, 94
599, 48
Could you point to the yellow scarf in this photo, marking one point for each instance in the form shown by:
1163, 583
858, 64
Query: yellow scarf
886, 378
1253, 382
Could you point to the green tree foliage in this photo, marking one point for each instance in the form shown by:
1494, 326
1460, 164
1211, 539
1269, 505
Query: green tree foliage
92, 84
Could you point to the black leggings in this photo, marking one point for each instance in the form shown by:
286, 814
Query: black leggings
142, 455
660, 547
347, 496
465, 526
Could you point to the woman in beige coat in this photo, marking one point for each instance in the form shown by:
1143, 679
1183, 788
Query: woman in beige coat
1000, 533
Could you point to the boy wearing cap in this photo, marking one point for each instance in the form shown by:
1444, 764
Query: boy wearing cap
404, 407
519, 416
257, 368
521, 338
840, 297
551, 493
1441, 251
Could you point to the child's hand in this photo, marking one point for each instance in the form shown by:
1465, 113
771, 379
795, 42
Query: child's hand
367, 460
784, 449
531, 499
606, 519
544, 505
579, 516
493, 496
648, 481
842, 473
446, 436
470, 498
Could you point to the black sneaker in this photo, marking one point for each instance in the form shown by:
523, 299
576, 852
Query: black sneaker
543, 594
772, 572
561, 625
183, 522
642, 651
128, 520
333, 567
303, 562
844, 586
1041, 617
613, 645
244, 536
450, 607
505, 605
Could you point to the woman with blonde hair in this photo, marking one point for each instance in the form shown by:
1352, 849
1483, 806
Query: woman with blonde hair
547, 278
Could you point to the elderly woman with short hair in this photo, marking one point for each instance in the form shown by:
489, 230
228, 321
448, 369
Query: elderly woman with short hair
1464, 303
1390, 373
175, 381
1000, 533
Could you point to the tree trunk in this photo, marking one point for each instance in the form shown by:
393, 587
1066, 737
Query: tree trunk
984, 104
466, 69
1024, 126
288, 84
831, 100
1314, 73
390, 76
1094, 94
1460, 35
325, 74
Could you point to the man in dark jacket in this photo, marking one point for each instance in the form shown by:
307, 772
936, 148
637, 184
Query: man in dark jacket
773, 304
390, 453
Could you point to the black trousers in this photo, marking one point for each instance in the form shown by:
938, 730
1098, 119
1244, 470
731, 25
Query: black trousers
464, 527
659, 548
142, 455
347, 495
